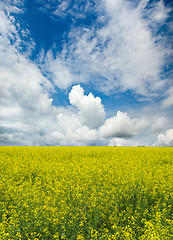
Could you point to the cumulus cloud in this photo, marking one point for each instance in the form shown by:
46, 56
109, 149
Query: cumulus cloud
81, 127
71, 131
78, 126
165, 140
91, 110
86, 126
122, 126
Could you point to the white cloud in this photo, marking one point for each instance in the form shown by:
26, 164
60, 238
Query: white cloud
11, 33
60, 71
78, 127
71, 131
122, 126
122, 142
75, 9
91, 110
120, 50
61, 10
165, 140
168, 102
71, 128
14, 139
160, 12
20, 82
81, 127
68, 122
25, 105
7, 28
122, 54
159, 124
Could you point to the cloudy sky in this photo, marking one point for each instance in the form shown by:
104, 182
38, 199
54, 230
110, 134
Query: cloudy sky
86, 72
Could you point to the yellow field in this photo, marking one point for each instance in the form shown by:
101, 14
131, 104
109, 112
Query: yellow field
86, 193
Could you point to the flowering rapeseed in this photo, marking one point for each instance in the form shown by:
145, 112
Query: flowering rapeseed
86, 193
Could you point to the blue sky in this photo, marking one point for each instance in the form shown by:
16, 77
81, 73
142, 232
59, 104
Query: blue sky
86, 72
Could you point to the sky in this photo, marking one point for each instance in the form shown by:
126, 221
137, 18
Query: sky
86, 73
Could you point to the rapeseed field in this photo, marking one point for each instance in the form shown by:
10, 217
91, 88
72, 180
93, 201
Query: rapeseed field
86, 193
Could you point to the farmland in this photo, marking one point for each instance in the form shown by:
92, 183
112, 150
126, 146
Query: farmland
86, 193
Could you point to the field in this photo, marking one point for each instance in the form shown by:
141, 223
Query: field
86, 193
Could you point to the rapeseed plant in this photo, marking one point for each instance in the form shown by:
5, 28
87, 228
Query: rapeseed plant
86, 193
